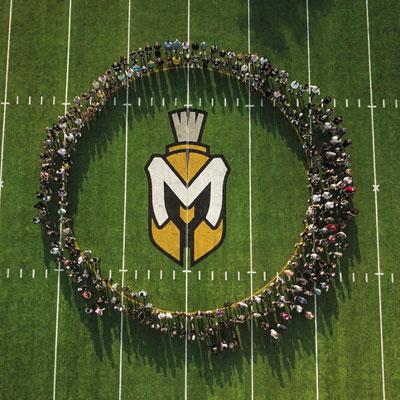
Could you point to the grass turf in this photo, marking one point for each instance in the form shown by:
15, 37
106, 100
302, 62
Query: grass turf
88, 350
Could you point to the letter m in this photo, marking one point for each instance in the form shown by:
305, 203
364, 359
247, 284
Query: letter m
213, 174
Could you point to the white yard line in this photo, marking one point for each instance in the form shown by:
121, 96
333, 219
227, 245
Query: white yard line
123, 270
250, 213
376, 203
187, 232
315, 297
348, 102
61, 225
3, 129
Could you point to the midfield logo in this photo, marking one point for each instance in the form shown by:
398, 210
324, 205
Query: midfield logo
187, 192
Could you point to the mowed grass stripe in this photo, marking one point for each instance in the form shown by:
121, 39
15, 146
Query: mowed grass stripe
4, 20
384, 36
387, 164
27, 325
362, 356
282, 39
147, 356
79, 333
46, 72
21, 241
226, 26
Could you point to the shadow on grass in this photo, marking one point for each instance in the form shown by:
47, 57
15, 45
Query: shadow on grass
290, 14
146, 346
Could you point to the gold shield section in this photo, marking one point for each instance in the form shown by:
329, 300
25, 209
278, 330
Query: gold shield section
206, 239
185, 162
186, 214
168, 238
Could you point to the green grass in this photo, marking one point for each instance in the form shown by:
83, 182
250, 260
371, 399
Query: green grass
153, 367
97, 187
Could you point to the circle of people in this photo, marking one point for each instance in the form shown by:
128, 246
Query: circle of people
312, 267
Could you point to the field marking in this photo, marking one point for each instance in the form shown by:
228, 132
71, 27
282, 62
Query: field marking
20, 273
3, 130
200, 101
315, 296
213, 275
61, 225
121, 338
376, 202
250, 106
186, 225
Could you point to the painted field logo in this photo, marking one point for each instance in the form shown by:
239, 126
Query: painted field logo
187, 192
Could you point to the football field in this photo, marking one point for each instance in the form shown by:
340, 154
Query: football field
50, 52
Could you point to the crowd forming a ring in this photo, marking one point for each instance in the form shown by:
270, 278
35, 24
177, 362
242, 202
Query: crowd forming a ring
313, 266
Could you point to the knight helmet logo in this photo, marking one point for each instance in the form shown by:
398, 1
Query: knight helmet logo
187, 192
